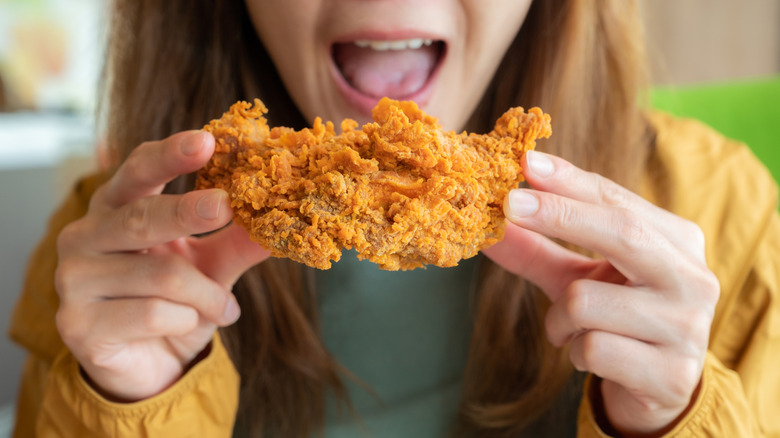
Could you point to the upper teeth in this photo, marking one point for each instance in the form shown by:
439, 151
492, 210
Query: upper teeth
413, 43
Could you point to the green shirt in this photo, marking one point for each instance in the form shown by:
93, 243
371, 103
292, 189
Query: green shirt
405, 335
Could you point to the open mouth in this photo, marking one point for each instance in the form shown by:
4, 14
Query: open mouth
398, 69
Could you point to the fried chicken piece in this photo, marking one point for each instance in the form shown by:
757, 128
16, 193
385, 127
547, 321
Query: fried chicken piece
400, 191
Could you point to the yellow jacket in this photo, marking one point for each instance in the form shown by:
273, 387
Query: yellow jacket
708, 179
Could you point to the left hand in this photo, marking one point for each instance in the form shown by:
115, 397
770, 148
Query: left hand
639, 315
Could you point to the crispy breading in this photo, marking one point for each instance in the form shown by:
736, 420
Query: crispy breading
400, 190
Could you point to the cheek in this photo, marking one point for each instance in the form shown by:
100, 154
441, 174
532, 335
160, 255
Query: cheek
284, 26
287, 29
486, 33
493, 29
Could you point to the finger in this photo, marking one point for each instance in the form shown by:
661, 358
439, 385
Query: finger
152, 164
540, 260
134, 276
134, 319
225, 255
627, 240
552, 174
119, 321
625, 361
652, 376
595, 305
158, 219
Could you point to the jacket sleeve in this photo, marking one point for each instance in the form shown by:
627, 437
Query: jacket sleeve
202, 403
724, 189
54, 399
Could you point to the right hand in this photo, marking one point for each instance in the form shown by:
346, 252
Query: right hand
140, 298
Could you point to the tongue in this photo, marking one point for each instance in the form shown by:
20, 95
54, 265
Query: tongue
392, 73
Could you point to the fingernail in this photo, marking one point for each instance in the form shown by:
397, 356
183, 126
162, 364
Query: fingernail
232, 311
209, 205
539, 164
192, 144
522, 204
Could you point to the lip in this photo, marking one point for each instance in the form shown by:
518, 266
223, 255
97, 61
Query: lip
364, 103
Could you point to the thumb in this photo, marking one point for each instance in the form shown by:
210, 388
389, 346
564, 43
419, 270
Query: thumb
225, 255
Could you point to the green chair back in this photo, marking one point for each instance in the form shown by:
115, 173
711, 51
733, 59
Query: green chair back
748, 111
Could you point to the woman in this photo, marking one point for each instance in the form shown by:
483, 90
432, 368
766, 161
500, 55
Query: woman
631, 301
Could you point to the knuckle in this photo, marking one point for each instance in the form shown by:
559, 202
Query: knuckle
170, 275
710, 289
65, 239
169, 283
182, 212
69, 325
695, 234
136, 165
632, 231
220, 301
136, 220
685, 377
188, 320
212, 304
131, 169
692, 238
65, 275
561, 213
98, 358
155, 316
703, 286
70, 236
610, 194
695, 330
100, 194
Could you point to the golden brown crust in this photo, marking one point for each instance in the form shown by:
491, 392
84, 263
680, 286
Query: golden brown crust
400, 191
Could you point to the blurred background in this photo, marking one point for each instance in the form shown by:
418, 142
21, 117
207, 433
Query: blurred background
705, 41
50, 55
50, 59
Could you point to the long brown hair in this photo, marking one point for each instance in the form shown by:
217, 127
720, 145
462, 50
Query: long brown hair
174, 65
